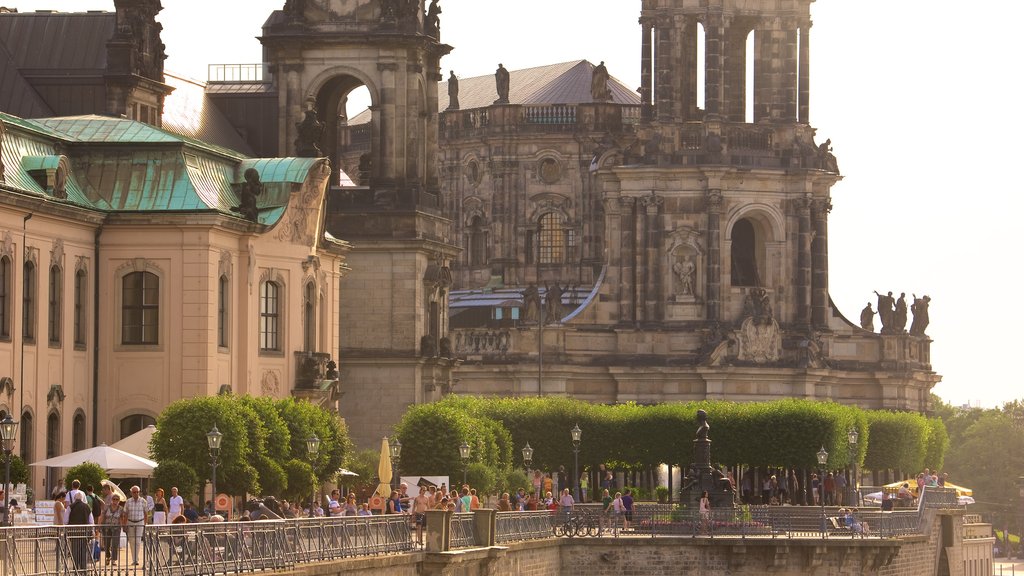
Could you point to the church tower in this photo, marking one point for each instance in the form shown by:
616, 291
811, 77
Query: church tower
711, 214
386, 198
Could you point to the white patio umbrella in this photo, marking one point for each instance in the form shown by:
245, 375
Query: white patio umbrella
137, 443
115, 462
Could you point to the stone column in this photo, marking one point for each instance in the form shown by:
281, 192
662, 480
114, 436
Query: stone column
293, 108
819, 263
627, 294
654, 298
714, 266
439, 531
789, 84
803, 263
646, 61
613, 238
485, 527
640, 261
714, 31
804, 95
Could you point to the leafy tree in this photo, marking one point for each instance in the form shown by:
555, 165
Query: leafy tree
364, 464
512, 480
276, 435
301, 481
989, 459
87, 473
181, 435
19, 470
938, 444
175, 473
481, 477
273, 479
305, 419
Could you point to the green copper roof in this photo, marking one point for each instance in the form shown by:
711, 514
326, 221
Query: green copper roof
140, 168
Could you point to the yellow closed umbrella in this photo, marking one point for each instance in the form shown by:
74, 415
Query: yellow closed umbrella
384, 470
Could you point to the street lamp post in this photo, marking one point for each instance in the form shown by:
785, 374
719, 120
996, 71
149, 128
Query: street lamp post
464, 454
527, 457
852, 437
395, 449
8, 431
213, 440
822, 461
576, 434
312, 448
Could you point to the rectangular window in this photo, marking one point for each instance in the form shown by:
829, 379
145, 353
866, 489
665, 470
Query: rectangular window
515, 313
28, 303
552, 239
55, 308
309, 318
499, 313
140, 308
269, 316
222, 312
80, 323
5, 298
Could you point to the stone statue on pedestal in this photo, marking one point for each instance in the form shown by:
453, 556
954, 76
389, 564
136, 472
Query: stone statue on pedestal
501, 84
702, 476
920, 310
867, 318
599, 84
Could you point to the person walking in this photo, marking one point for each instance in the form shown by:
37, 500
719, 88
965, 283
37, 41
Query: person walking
79, 535
627, 508
113, 520
159, 507
135, 510
705, 511
176, 504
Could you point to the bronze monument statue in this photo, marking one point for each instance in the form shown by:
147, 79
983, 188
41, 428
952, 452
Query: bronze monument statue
501, 84
553, 303
702, 476
531, 304
251, 188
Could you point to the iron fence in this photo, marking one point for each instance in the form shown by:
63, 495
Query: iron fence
463, 533
198, 549
520, 526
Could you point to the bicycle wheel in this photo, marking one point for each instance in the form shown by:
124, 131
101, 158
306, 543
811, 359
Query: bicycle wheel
572, 528
558, 530
593, 529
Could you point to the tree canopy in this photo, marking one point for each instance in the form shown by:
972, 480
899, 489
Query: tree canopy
260, 436
779, 433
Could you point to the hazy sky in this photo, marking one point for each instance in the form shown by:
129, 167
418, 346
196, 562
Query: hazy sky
919, 98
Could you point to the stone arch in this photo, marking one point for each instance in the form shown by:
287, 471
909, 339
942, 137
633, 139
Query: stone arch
750, 233
329, 92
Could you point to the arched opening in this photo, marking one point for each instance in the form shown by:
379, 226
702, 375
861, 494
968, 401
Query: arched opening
52, 446
309, 318
477, 242
78, 432
344, 105
135, 422
748, 75
701, 65
26, 432
747, 254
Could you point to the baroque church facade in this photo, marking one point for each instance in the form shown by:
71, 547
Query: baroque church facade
547, 231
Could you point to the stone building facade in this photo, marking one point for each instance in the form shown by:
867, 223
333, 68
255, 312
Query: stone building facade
132, 276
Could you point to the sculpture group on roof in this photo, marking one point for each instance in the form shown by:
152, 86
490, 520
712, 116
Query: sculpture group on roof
892, 312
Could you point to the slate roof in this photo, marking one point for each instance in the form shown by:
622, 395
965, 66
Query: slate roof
564, 83
52, 45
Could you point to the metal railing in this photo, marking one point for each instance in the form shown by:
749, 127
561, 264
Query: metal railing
237, 72
463, 533
521, 526
199, 549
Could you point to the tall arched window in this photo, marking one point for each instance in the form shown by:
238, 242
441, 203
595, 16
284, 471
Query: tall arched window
28, 303
552, 239
5, 298
78, 432
81, 324
309, 318
140, 308
55, 308
744, 254
477, 242
25, 431
270, 317
52, 435
222, 312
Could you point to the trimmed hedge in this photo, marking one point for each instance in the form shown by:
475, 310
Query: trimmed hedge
785, 433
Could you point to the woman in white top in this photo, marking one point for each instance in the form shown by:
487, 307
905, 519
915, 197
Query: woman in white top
705, 510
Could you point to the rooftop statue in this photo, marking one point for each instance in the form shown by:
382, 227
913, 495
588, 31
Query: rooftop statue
453, 92
307, 143
432, 22
501, 84
867, 318
599, 84
920, 310
251, 188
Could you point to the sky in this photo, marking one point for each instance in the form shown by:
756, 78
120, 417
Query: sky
919, 98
